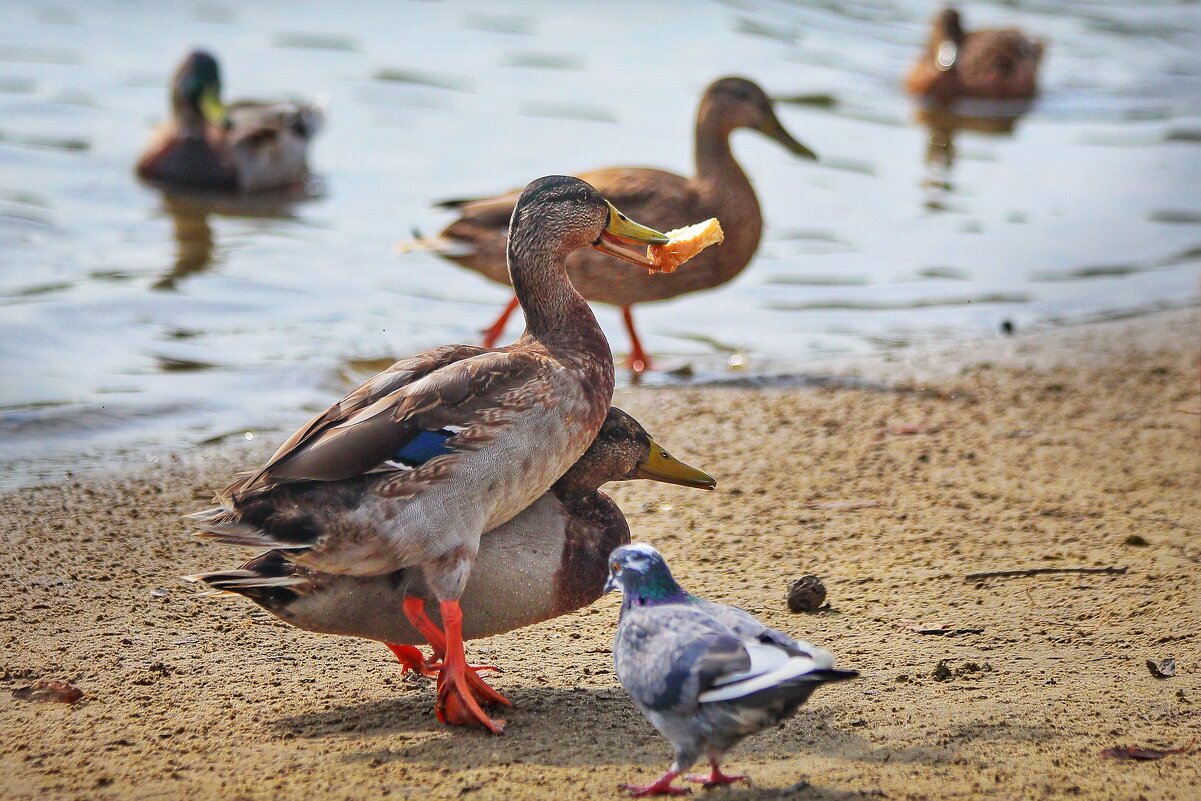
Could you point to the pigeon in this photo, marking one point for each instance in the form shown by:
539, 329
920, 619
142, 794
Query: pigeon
704, 674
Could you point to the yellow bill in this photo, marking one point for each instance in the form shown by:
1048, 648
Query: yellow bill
663, 467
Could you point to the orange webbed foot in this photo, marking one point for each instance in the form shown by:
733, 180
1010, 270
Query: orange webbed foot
638, 361
495, 331
411, 659
460, 689
461, 697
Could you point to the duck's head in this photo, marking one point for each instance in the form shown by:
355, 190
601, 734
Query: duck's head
740, 103
948, 26
197, 87
641, 573
946, 37
565, 214
624, 451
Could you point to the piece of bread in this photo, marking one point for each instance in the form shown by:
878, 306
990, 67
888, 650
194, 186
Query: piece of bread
685, 243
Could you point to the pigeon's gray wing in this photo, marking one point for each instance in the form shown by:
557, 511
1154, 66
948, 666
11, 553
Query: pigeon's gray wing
665, 656
747, 627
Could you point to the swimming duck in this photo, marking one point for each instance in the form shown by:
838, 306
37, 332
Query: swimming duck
993, 64
466, 437
706, 675
547, 561
245, 146
667, 201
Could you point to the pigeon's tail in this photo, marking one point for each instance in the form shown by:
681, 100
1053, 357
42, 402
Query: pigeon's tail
774, 668
829, 674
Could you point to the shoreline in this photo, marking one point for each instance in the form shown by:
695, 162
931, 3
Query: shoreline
1077, 447
1040, 349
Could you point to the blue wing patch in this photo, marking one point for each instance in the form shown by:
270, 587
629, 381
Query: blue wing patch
423, 447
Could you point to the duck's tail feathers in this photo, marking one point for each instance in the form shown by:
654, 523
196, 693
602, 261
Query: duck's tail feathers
270, 580
441, 245
223, 582
227, 526
313, 115
241, 534
213, 515
455, 203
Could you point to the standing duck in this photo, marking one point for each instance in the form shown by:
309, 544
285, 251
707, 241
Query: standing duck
547, 561
244, 147
667, 201
466, 437
990, 64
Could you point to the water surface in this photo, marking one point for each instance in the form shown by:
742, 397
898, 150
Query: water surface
134, 325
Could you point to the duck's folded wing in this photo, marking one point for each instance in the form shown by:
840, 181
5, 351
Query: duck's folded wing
448, 386
252, 119
640, 192
497, 208
657, 197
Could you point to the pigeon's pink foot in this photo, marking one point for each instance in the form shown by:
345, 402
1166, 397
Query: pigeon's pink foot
716, 778
662, 786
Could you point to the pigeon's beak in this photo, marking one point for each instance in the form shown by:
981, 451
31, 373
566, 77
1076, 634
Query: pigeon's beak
610, 585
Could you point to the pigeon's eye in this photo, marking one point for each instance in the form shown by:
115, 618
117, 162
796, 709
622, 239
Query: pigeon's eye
615, 568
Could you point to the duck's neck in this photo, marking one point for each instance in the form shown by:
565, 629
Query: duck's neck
725, 190
722, 183
595, 526
715, 162
188, 119
554, 312
576, 486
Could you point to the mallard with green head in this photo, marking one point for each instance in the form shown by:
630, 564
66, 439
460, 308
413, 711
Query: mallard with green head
466, 437
549, 560
665, 200
241, 147
989, 64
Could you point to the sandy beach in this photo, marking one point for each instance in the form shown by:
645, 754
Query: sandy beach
1064, 449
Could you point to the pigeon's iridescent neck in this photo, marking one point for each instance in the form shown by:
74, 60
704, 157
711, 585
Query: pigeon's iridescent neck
654, 590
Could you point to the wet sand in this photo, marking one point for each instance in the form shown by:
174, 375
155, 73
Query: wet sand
1067, 449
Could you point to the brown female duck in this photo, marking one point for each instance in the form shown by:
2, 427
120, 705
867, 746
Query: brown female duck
547, 561
720, 189
991, 64
466, 438
246, 146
